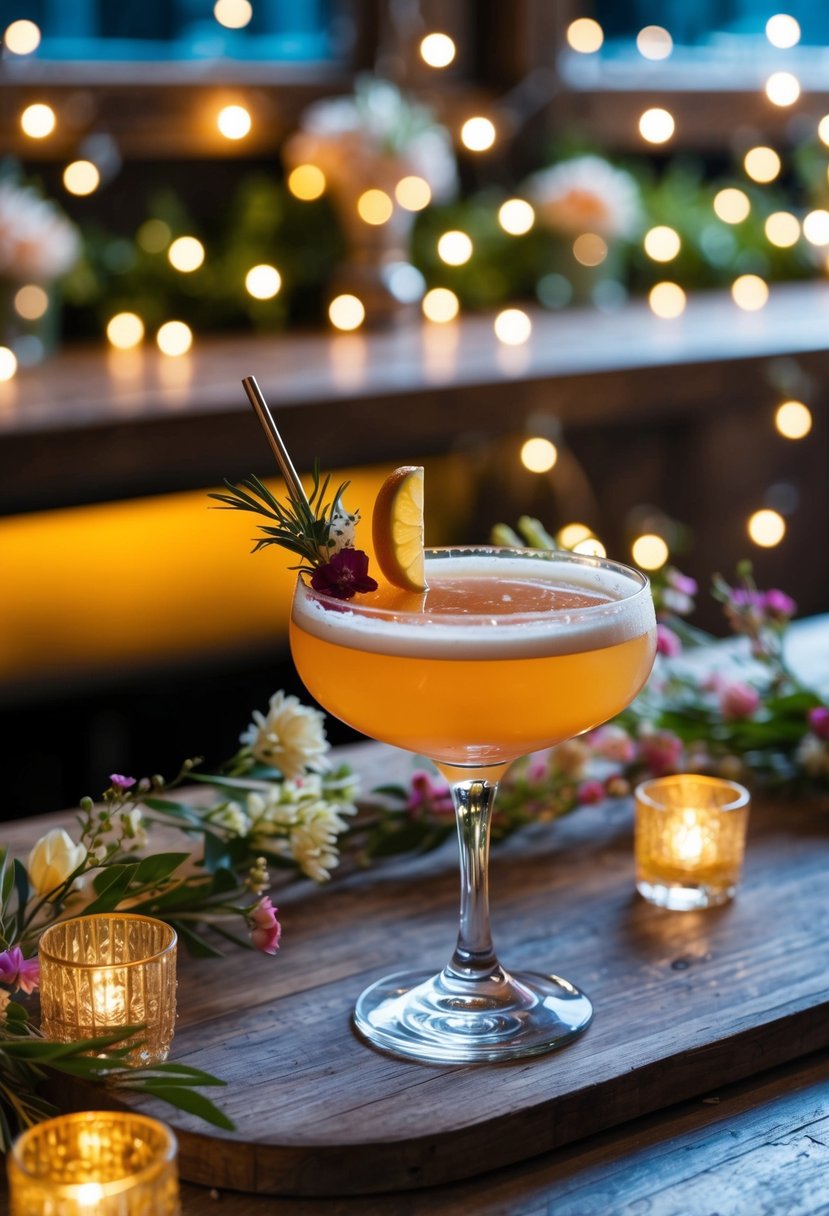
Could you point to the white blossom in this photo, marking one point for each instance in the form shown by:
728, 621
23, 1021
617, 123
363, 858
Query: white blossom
230, 816
37, 241
52, 860
586, 194
291, 737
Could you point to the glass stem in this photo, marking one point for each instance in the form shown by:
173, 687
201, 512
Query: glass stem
474, 956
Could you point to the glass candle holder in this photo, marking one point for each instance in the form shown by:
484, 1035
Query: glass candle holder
689, 840
101, 973
112, 1163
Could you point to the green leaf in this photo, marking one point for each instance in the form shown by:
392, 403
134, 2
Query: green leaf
178, 810
173, 1073
196, 945
159, 866
111, 885
193, 1103
21, 884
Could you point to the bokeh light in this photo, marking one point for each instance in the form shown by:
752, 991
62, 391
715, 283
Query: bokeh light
571, 534
234, 122
174, 338
656, 125
478, 133
591, 546
346, 312
793, 419
306, 182
516, 216
440, 305
125, 330
783, 31
654, 42
762, 164
539, 455
30, 302
186, 254
589, 249
375, 207
454, 248
38, 120
667, 300
413, 193
585, 35
823, 130
512, 327
750, 292
263, 281
21, 37
766, 528
233, 14
437, 50
81, 177
816, 227
782, 229
650, 552
154, 236
782, 88
731, 205
662, 243
8, 363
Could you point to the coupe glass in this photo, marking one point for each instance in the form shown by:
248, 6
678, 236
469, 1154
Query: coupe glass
510, 651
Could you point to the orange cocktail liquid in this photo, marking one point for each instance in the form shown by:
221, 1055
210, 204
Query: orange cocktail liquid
516, 680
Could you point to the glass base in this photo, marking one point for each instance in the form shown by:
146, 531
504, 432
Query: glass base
447, 1018
684, 897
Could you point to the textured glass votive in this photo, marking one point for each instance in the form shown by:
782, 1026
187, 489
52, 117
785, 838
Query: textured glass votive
111, 1163
101, 973
689, 840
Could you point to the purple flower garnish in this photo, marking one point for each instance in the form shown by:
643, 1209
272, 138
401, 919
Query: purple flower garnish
19, 972
819, 721
345, 574
121, 783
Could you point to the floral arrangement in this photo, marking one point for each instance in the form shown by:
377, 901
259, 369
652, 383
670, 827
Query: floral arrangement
586, 194
37, 241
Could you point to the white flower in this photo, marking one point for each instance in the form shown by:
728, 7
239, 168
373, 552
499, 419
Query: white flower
52, 860
342, 531
230, 816
290, 738
586, 194
570, 758
36, 240
315, 857
132, 826
813, 755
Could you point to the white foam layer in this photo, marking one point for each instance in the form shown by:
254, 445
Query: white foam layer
627, 613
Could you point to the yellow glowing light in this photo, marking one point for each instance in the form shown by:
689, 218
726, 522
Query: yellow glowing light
478, 134
454, 248
186, 254
89, 1194
649, 551
513, 327
413, 193
233, 14
234, 122
437, 50
667, 300
662, 243
153, 236
21, 37
750, 292
732, 206
306, 182
783, 31
174, 338
793, 419
375, 207
8, 363
263, 281
591, 546
782, 229
761, 164
125, 330
81, 177
440, 305
766, 528
572, 534
539, 455
589, 249
516, 216
346, 312
585, 35
30, 302
654, 42
816, 227
38, 120
823, 129
656, 125
782, 88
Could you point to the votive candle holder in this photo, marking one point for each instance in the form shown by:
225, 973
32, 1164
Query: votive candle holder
111, 1163
689, 840
103, 972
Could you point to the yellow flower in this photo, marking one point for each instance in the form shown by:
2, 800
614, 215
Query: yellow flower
53, 859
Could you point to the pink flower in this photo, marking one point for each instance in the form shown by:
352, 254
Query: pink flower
590, 792
19, 972
819, 721
667, 642
613, 743
738, 701
661, 751
681, 582
345, 574
778, 605
429, 797
121, 783
265, 929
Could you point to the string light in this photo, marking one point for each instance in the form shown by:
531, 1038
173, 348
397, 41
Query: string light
30, 302
750, 292
649, 551
591, 546
233, 14
539, 455
413, 193
783, 31
454, 248
816, 227
38, 120
437, 50
81, 177
793, 419
589, 249
572, 534
346, 312
662, 243
21, 37
762, 164
153, 236
513, 327
585, 35
782, 88
516, 216
8, 363
823, 129
654, 42
263, 282
234, 122
306, 182
375, 207
782, 229
186, 254
667, 300
731, 205
766, 528
478, 134
440, 305
125, 330
656, 125
174, 338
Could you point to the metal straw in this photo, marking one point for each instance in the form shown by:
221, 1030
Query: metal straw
263, 413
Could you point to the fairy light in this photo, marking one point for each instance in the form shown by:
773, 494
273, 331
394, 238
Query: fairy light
823, 130
731, 205
782, 229
437, 50
153, 236
30, 302
346, 312
783, 31
38, 120
21, 37
234, 122
654, 42
572, 534
375, 207
516, 216
782, 88
766, 528
589, 249
413, 193
263, 281
512, 327
478, 133
667, 300
186, 254
125, 330
8, 363
81, 177
662, 243
585, 35
454, 248
174, 338
750, 292
793, 420
591, 546
816, 227
656, 125
762, 164
233, 14
440, 305
649, 551
539, 455
306, 182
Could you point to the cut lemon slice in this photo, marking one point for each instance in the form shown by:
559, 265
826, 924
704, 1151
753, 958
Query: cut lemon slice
397, 528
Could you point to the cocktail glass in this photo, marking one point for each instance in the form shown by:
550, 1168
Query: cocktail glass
510, 651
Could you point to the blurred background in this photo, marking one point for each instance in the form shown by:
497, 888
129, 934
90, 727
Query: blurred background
570, 256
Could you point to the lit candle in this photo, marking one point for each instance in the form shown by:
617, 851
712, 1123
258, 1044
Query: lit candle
101, 973
106, 1162
690, 840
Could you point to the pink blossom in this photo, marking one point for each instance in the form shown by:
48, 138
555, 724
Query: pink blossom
738, 701
265, 928
121, 783
429, 797
819, 721
681, 582
590, 792
779, 605
19, 972
661, 751
667, 642
613, 743
713, 682
343, 575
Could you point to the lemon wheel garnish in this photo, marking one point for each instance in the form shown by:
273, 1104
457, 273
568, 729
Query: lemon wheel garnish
397, 528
